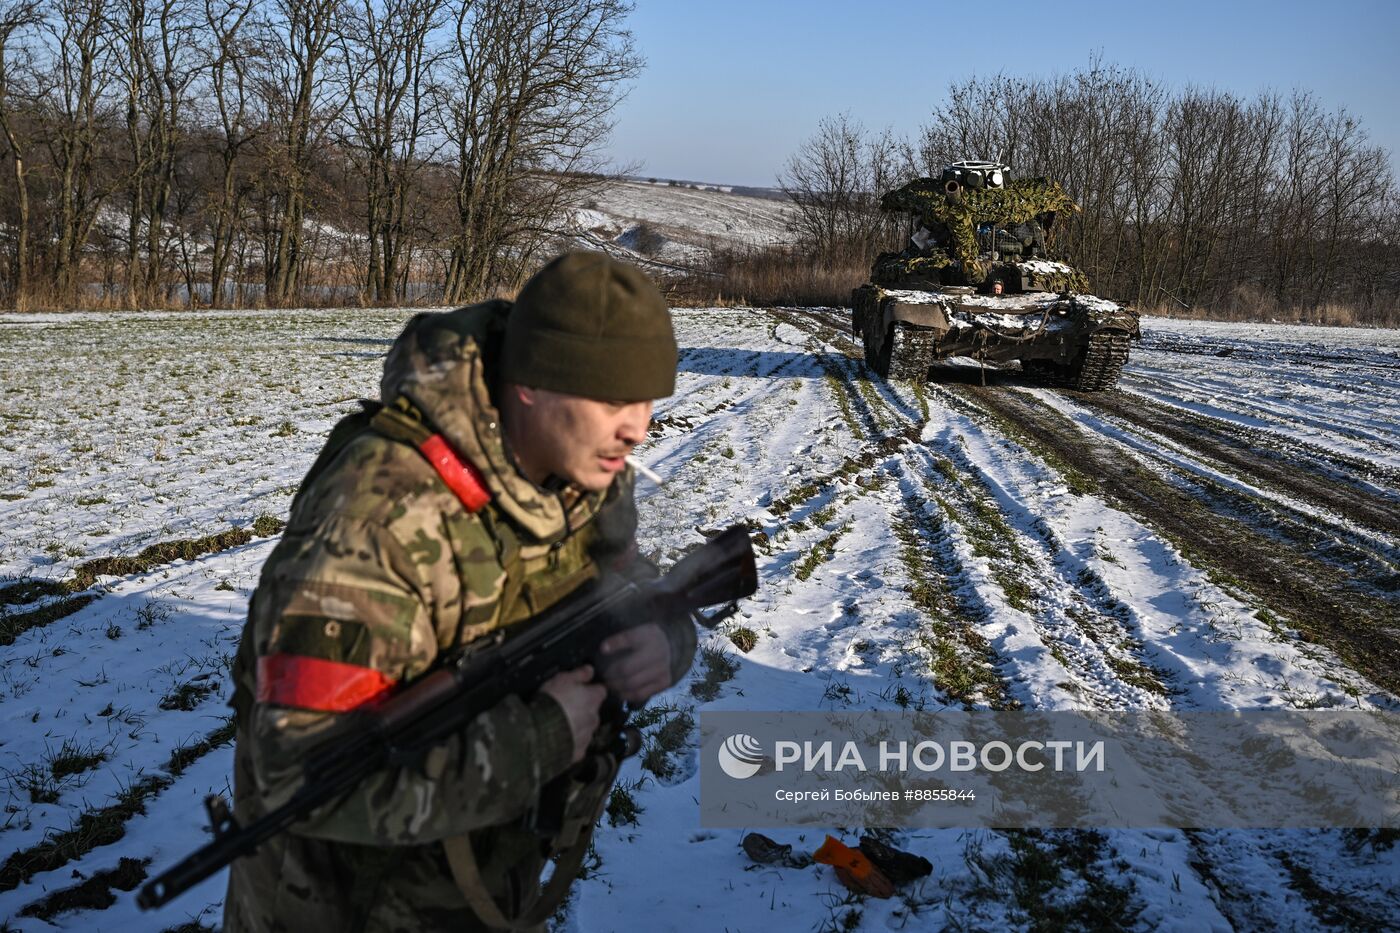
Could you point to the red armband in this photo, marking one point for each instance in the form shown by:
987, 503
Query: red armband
318, 684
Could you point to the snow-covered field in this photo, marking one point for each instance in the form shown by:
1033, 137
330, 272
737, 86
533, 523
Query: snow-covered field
678, 224
1223, 533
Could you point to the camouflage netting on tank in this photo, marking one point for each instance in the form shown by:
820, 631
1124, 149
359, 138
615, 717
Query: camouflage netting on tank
1051, 277
1020, 201
899, 269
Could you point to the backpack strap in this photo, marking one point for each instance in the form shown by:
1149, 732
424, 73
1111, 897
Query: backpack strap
590, 782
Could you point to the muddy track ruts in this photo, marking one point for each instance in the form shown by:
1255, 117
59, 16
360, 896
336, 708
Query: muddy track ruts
1332, 491
832, 319
865, 408
1322, 601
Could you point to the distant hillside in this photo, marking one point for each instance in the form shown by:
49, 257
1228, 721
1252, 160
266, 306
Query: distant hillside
773, 194
680, 222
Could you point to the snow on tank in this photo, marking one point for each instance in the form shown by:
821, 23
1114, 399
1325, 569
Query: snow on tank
976, 279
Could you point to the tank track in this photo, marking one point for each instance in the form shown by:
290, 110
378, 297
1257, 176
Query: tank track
1098, 369
911, 352
1094, 370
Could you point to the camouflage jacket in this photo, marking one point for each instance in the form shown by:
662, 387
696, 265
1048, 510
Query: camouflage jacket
381, 568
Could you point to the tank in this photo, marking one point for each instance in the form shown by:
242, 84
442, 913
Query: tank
976, 280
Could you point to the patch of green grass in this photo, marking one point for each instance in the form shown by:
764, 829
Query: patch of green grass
650, 715
1119, 650
879, 409
674, 731
94, 828
266, 526
1019, 594
843, 403
186, 696
961, 661
1057, 881
86, 573
919, 393
807, 490
35, 781
820, 553
744, 638
623, 808
72, 758
150, 612
795, 497
719, 667
663, 743
185, 755
947, 470
285, 429
93, 893
91, 500
12, 625
989, 535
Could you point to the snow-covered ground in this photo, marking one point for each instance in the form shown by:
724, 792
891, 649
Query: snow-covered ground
681, 224
935, 546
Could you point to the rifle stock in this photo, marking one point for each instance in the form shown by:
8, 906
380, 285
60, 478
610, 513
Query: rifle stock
399, 729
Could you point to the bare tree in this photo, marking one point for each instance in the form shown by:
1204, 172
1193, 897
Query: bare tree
388, 60
526, 104
15, 20
301, 33
77, 42
158, 65
1197, 197
835, 181
231, 54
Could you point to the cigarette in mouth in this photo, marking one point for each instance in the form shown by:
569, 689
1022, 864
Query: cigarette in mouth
642, 469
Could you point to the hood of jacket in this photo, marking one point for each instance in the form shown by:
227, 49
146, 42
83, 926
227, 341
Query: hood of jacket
444, 363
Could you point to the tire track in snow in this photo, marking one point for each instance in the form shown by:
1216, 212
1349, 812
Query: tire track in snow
1371, 558
1309, 475
1317, 599
1081, 627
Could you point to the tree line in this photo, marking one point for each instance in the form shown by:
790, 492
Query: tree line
237, 152
1192, 198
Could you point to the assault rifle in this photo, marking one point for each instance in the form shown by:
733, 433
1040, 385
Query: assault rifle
399, 730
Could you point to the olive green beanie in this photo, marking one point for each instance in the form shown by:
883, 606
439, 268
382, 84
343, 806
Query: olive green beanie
589, 325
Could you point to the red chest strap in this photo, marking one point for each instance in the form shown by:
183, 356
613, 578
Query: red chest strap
465, 480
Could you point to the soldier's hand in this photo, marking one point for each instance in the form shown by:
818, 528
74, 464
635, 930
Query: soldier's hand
580, 701
637, 663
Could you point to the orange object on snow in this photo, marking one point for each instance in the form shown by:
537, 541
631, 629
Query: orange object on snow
855, 870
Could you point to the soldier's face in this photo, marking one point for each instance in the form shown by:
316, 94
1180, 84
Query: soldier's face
582, 440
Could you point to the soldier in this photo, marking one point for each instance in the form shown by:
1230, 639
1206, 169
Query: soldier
489, 483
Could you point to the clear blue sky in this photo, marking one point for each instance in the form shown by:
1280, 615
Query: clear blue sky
731, 88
